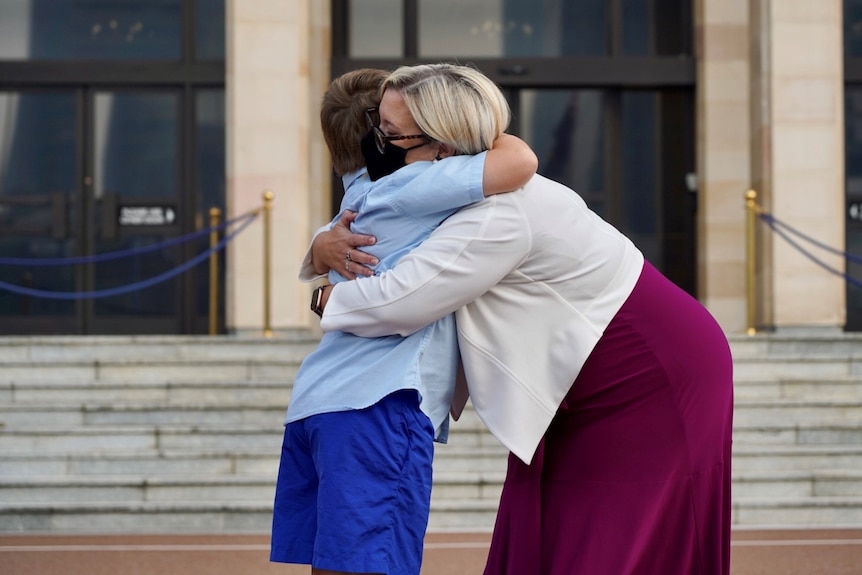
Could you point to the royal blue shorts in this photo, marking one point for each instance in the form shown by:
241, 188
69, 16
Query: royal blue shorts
354, 489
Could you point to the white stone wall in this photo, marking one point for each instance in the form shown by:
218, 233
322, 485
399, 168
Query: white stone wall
805, 56
723, 156
276, 70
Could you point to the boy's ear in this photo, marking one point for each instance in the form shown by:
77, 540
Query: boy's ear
444, 150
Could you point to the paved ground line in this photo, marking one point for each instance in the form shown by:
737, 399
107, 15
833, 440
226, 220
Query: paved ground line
453, 545
203, 547
793, 542
114, 548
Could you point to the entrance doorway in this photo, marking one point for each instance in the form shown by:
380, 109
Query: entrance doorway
81, 166
111, 141
603, 91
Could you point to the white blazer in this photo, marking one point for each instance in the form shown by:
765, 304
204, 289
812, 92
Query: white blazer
535, 277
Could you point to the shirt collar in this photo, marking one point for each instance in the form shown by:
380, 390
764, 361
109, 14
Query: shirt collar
350, 177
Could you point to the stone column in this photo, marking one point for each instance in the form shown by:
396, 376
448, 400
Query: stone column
273, 81
723, 164
798, 159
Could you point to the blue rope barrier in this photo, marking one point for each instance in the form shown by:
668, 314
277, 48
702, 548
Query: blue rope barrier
133, 286
848, 256
774, 225
109, 256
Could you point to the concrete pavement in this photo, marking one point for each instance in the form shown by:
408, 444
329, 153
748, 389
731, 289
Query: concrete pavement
755, 552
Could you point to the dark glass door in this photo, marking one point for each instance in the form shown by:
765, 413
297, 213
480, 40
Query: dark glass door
629, 154
111, 140
853, 193
40, 193
132, 190
92, 171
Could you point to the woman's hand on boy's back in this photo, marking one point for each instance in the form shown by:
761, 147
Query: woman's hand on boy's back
338, 249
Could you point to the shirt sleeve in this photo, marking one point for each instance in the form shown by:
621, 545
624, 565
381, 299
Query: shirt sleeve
306, 270
445, 186
464, 257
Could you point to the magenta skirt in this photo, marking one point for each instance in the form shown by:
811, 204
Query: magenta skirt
633, 475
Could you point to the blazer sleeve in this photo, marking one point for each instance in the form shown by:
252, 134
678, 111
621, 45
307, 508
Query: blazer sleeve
464, 257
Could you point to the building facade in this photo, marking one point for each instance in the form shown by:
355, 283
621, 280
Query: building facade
123, 123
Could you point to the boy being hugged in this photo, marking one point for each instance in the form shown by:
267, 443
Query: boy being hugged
355, 475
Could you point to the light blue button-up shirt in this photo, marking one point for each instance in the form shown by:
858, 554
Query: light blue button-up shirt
351, 372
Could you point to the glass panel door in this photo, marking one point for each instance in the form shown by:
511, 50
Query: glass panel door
853, 192
38, 205
136, 204
628, 154
85, 173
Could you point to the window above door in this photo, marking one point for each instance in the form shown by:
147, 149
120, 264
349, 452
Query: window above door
434, 29
111, 30
524, 43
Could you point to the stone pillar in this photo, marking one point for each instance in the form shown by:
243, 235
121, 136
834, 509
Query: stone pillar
723, 165
798, 156
274, 77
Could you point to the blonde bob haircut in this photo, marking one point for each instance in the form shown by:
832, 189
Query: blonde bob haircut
453, 104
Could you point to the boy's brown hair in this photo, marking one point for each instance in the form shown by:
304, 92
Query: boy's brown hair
342, 115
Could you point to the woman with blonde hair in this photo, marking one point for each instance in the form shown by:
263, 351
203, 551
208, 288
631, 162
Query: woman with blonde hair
611, 387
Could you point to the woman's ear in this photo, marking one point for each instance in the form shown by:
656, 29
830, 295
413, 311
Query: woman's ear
444, 151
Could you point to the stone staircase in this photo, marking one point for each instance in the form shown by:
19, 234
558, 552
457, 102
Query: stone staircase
798, 430
182, 434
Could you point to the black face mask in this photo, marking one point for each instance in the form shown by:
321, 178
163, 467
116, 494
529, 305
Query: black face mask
392, 159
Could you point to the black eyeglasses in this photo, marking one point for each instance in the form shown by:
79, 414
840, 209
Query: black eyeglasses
372, 116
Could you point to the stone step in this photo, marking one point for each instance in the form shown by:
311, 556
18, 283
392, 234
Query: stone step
71, 393
194, 410
22, 417
196, 487
847, 388
469, 489
759, 369
141, 517
448, 486
778, 412
792, 433
198, 428
255, 516
448, 459
797, 484
108, 439
143, 463
71, 390
199, 517
109, 459
789, 512
155, 462
183, 437
134, 372
290, 345
796, 457
249, 433
128, 489
805, 343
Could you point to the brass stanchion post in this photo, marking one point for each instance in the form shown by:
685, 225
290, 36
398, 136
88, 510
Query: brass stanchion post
215, 218
267, 269
750, 254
